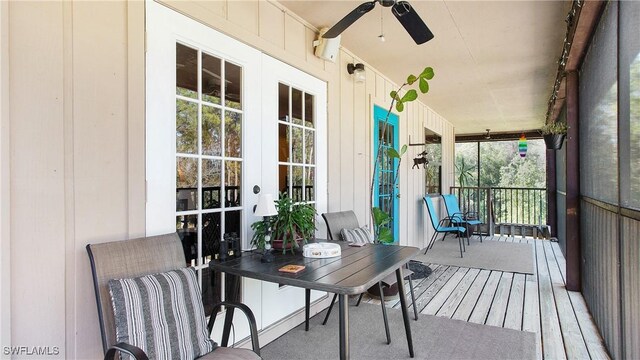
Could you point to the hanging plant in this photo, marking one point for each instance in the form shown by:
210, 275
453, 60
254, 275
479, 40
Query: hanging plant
554, 134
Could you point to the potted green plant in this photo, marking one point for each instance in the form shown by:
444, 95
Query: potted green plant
293, 225
382, 234
554, 134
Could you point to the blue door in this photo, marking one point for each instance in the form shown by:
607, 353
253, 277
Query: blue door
384, 186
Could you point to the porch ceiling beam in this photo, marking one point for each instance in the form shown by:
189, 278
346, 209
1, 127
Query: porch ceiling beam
578, 39
503, 136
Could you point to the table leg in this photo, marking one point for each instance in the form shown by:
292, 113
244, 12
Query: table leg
231, 294
307, 304
405, 311
343, 305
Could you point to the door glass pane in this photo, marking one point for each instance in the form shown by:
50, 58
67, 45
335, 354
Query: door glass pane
233, 81
210, 235
219, 187
283, 143
308, 110
211, 78
309, 181
296, 106
233, 134
283, 179
187, 229
186, 127
309, 145
186, 71
211, 131
283, 102
297, 184
186, 184
211, 173
232, 222
233, 177
296, 145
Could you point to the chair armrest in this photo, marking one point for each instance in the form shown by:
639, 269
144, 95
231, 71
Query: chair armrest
129, 349
471, 215
250, 317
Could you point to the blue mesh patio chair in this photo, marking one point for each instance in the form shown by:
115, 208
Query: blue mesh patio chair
439, 227
466, 219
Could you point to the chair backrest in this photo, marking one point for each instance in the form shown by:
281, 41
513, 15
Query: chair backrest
128, 259
336, 221
432, 212
451, 203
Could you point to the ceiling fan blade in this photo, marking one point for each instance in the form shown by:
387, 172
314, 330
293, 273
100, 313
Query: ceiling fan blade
351, 17
409, 18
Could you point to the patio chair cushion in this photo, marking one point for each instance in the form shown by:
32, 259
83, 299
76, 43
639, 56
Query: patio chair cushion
360, 235
162, 314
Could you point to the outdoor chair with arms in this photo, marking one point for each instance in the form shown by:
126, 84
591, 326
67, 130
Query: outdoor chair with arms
466, 219
439, 227
152, 269
336, 222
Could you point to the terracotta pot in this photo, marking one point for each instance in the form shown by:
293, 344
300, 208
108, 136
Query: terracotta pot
554, 141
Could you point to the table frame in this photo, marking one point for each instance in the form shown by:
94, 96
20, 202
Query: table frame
356, 270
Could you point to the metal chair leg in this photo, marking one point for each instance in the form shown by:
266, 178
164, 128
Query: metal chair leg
461, 243
333, 301
359, 299
431, 241
384, 313
413, 296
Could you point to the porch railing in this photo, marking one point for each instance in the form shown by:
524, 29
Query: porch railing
504, 206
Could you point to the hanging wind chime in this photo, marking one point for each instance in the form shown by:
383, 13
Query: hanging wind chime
522, 145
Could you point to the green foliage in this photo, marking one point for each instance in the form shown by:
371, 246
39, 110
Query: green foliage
557, 127
261, 229
293, 221
411, 95
380, 220
464, 171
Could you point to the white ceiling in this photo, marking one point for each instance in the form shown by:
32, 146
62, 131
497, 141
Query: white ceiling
495, 61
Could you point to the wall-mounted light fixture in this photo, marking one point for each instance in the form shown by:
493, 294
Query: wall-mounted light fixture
488, 134
357, 70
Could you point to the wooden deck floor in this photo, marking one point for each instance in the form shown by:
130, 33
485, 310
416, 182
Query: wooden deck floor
537, 303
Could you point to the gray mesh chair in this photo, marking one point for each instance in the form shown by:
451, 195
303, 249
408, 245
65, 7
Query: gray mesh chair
139, 257
336, 221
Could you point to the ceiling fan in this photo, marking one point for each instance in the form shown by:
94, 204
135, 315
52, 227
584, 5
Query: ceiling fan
402, 10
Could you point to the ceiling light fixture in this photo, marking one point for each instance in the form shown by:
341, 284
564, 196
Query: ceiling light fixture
357, 70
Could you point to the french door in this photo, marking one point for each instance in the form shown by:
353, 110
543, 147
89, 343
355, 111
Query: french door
202, 107
225, 123
385, 183
294, 138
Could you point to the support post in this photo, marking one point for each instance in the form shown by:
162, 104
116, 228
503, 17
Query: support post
552, 204
574, 255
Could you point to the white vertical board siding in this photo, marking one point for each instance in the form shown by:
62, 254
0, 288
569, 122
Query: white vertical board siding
5, 176
37, 174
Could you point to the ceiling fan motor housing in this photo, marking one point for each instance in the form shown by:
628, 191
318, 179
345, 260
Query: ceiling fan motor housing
387, 3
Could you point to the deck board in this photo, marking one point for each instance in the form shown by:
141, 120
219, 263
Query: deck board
464, 310
483, 306
538, 303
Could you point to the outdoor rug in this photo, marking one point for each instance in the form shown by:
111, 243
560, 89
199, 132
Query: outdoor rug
433, 338
490, 255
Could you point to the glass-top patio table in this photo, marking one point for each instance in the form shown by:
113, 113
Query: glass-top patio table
351, 273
